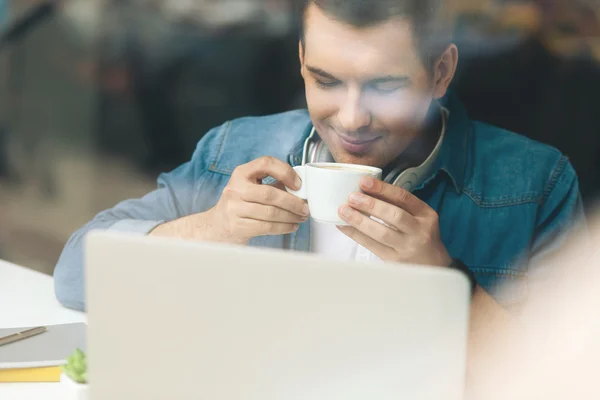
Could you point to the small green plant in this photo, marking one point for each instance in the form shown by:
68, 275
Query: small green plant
76, 367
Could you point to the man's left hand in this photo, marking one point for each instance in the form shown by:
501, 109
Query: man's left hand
412, 234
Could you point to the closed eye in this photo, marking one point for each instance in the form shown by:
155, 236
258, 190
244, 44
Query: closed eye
322, 78
389, 86
326, 84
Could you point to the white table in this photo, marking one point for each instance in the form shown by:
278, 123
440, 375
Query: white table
27, 299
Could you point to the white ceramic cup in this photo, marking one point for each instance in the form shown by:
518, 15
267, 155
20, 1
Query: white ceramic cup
327, 187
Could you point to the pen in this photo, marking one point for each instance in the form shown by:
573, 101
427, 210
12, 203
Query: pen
22, 335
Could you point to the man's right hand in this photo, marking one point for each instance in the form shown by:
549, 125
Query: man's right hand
247, 208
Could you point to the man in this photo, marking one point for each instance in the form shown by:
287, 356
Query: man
377, 75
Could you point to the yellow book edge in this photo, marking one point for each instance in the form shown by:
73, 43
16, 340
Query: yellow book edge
30, 375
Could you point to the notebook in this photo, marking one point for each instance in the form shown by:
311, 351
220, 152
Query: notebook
39, 358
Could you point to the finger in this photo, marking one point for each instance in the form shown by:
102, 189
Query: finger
373, 229
388, 213
264, 228
261, 212
394, 195
263, 167
278, 185
270, 196
380, 250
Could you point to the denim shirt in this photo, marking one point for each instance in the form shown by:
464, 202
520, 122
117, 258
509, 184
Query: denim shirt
504, 201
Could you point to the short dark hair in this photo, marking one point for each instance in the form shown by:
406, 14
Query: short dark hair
427, 18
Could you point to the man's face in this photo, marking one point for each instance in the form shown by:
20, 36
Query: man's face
367, 89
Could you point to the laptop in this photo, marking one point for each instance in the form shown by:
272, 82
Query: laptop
170, 319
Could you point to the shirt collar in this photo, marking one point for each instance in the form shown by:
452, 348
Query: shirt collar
454, 151
452, 157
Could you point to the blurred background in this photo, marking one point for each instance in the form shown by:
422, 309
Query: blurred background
99, 96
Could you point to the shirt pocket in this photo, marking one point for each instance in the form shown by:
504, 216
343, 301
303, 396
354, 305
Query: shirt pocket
508, 287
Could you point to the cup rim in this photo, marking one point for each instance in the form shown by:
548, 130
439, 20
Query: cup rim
365, 168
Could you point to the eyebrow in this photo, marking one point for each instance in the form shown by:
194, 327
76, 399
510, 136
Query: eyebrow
386, 79
379, 80
319, 71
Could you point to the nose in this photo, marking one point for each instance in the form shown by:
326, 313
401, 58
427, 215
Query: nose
353, 116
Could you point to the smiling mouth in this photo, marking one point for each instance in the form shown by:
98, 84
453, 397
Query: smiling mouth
357, 141
357, 146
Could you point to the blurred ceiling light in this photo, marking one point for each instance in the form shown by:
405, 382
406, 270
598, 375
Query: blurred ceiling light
84, 17
213, 14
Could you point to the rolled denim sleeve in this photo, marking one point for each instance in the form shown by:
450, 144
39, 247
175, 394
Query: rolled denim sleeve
176, 196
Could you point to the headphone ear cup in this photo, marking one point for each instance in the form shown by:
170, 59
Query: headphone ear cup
407, 180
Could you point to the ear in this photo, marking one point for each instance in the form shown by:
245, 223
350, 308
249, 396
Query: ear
301, 54
444, 71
